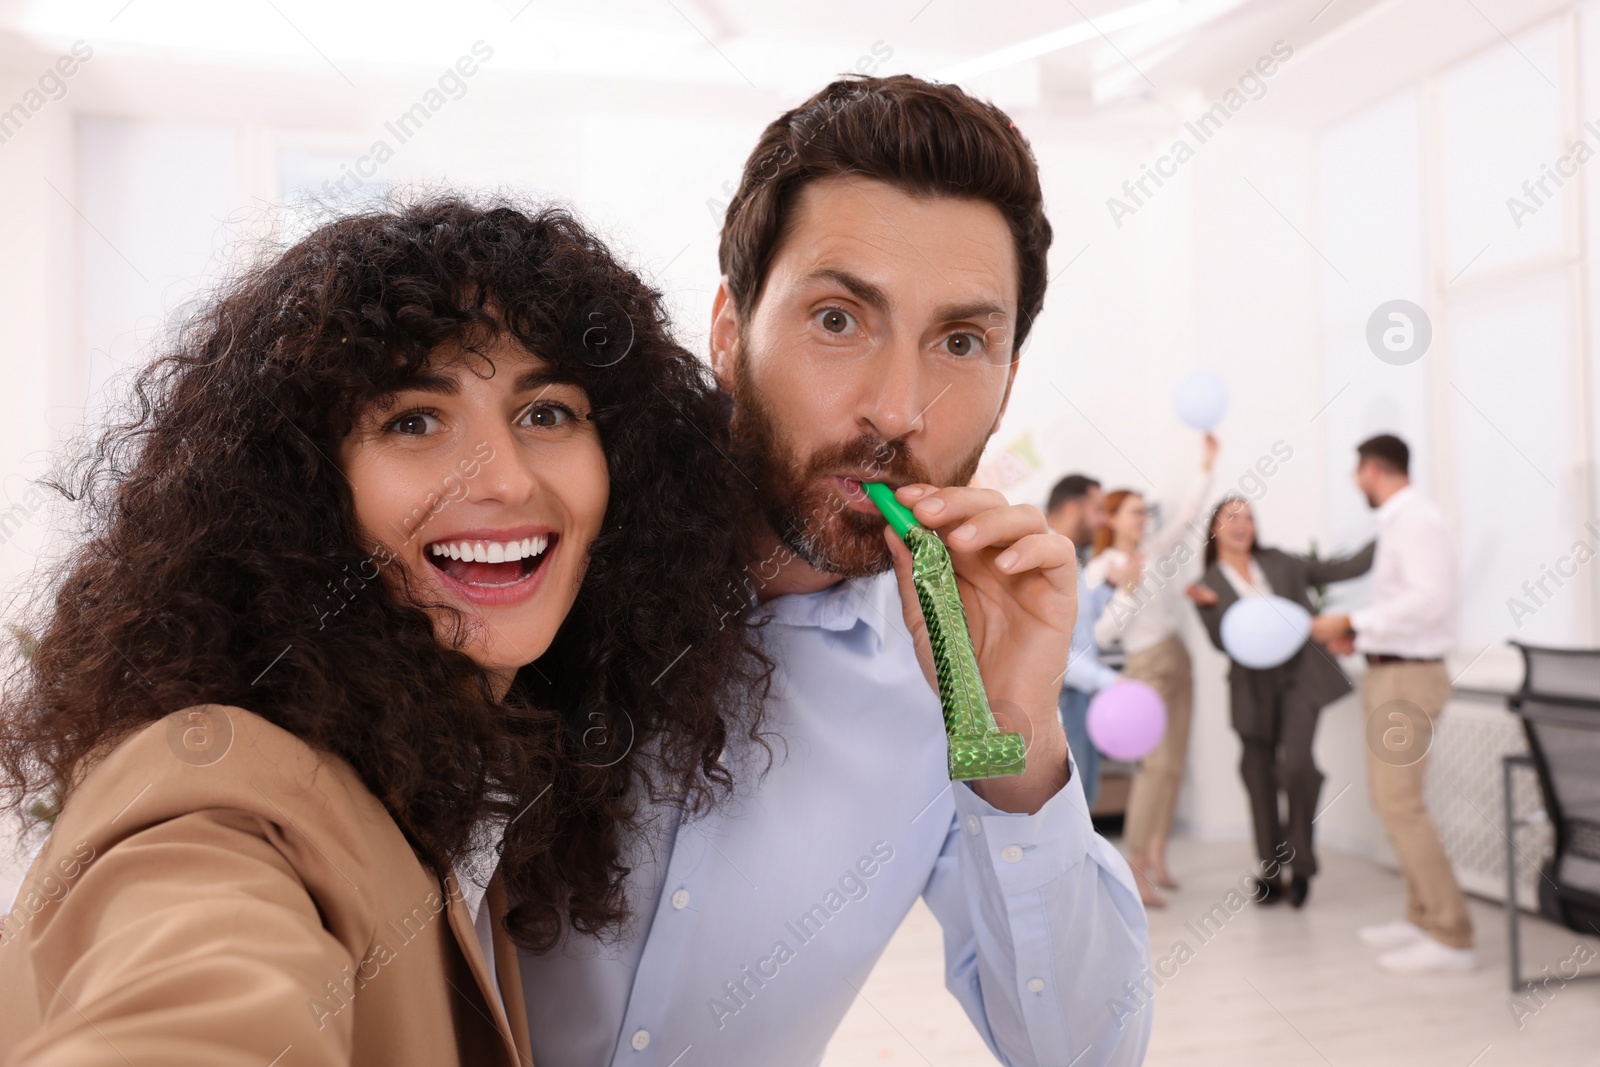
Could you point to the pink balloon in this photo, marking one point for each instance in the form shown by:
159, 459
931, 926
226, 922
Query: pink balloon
1127, 720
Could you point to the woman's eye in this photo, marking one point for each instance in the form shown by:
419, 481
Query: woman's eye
835, 320
549, 416
962, 344
411, 424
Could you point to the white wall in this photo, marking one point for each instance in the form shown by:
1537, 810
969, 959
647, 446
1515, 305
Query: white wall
38, 272
38, 268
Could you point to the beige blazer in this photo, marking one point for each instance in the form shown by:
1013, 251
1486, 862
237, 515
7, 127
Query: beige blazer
217, 893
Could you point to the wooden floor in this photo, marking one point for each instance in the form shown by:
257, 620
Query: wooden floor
1273, 987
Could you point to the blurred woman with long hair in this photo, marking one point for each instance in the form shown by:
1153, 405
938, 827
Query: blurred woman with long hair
1142, 615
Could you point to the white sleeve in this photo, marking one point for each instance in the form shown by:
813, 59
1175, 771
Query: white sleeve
1167, 538
1120, 611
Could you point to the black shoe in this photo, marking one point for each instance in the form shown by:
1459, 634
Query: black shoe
1267, 892
1299, 889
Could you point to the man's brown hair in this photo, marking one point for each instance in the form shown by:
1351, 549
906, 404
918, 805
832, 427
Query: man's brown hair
924, 138
1388, 451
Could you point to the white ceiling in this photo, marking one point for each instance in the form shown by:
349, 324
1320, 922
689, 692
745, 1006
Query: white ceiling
1116, 64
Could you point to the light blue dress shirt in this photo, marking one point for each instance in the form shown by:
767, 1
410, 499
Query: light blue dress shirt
1085, 676
757, 924
1085, 672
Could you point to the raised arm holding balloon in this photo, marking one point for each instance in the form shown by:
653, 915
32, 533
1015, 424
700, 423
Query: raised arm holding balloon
1255, 604
1143, 614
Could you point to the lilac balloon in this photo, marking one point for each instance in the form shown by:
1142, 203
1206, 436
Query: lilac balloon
1127, 720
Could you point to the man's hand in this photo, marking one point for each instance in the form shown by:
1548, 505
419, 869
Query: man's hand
1201, 594
1019, 586
1342, 646
1325, 628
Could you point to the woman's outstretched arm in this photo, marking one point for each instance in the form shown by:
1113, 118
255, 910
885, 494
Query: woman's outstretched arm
1182, 522
189, 942
1341, 568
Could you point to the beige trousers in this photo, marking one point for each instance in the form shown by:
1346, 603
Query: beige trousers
1153, 796
1402, 702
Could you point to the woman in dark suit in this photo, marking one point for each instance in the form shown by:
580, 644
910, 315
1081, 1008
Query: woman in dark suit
1274, 710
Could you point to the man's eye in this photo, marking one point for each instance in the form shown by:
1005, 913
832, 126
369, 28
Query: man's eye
963, 344
835, 320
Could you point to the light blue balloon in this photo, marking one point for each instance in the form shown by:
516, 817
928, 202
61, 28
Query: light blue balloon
1201, 399
1264, 631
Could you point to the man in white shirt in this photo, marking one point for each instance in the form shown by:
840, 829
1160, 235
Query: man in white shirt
1405, 634
883, 260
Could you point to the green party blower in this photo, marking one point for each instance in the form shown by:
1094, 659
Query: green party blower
977, 747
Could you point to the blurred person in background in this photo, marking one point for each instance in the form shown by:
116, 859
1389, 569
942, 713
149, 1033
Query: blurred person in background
1274, 710
1405, 635
1076, 509
1142, 614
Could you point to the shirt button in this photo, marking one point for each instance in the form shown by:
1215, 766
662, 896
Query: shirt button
1011, 853
973, 825
640, 1040
680, 900
1035, 985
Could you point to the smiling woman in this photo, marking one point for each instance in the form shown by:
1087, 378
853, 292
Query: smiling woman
510, 551
281, 819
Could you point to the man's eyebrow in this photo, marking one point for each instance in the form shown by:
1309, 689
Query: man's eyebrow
874, 297
857, 286
977, 310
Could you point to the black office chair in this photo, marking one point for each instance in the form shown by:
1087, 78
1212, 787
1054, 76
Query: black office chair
1560, 708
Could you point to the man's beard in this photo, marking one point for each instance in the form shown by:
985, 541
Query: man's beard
1081, 533
796, 494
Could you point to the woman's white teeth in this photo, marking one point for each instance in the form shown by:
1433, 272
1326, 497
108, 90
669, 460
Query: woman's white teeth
491, 551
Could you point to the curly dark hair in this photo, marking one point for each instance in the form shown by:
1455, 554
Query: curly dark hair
220, 532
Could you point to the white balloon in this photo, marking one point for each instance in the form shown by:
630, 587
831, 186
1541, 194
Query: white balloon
1264, 631
1201, 399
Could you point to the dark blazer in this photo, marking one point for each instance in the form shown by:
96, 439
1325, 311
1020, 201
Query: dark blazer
1312, 672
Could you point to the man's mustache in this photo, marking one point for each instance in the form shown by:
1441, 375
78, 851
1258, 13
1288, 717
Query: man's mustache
871, 460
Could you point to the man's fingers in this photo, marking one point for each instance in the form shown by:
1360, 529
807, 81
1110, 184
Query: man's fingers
900, 555
910, 606
997, 528
944, 507
1050, 554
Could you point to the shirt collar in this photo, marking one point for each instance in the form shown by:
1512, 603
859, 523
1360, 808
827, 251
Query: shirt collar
1396, 501
841, 607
